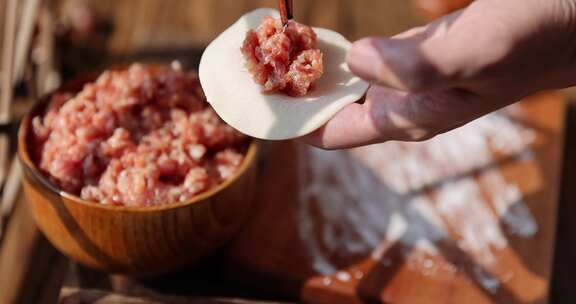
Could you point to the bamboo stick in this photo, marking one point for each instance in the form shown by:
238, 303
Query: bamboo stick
7, 88
8, 60
10, 191
24, 37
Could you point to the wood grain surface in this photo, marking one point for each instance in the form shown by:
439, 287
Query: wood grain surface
277, 261
31, 270
484, 235
313, 249
191, 23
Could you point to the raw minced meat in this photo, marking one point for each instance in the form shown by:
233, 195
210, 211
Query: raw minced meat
283, 59
140, 136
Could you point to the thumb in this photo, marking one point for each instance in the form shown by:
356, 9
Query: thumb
416, 60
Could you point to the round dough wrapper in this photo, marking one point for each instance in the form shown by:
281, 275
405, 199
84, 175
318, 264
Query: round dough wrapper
239, 100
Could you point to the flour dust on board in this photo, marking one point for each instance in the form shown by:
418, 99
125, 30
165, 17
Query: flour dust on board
418, 195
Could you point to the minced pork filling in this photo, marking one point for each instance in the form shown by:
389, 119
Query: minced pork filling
283, 59
140, 136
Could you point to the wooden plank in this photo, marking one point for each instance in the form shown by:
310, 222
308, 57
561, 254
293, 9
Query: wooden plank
466, 228
223, 14
322, 14
122, 13
381, 18
187, 23
31, 270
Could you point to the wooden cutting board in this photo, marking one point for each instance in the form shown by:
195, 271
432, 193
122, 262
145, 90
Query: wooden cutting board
467, 217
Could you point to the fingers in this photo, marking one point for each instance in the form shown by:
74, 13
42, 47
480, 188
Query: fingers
386, 114
396, 63
400, 62
443, 54
352, 126
389, 114
430, 80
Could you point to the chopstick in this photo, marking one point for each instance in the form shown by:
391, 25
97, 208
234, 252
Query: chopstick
24, 38
14, 58
286, 11
6, 88
10, 192
11, 187
8, 60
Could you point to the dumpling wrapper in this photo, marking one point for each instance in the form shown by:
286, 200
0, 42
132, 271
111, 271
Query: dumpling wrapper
240, 102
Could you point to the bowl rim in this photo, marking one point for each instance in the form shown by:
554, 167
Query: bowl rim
29, 165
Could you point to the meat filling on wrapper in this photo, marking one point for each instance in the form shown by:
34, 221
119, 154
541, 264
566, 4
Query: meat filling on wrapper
283, 59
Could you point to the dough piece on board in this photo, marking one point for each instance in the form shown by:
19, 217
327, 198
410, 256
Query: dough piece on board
239, 100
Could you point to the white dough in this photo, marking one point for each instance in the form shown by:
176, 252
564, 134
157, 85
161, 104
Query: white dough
239, 100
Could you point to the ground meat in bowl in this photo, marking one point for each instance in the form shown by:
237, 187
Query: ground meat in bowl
283, 59
140, 136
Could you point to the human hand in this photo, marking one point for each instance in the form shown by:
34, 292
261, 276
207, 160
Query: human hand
435, 78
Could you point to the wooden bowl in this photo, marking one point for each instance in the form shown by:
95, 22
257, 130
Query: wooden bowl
135, 240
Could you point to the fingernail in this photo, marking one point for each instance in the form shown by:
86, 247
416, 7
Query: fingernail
364, 59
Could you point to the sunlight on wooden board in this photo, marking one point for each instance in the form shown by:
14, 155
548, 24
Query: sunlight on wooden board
467, 217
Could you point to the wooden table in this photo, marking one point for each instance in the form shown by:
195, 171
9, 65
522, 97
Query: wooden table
470, 217
343, 226
467, 218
